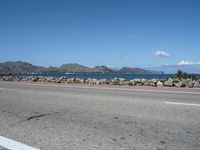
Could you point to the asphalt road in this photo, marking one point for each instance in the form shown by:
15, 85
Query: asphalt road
58, 118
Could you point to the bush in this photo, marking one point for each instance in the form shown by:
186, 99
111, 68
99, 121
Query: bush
184, 75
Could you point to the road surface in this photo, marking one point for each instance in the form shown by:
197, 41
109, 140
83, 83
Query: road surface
57, 117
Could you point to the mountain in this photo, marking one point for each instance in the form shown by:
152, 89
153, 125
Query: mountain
75, 68
126, 70
104, 69
171, 69
19, 67
24, 67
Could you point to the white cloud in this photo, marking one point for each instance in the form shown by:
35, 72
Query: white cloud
184, 62
161, 54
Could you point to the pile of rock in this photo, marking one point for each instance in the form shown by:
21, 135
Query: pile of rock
170, 82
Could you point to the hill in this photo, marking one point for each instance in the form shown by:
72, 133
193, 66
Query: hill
24, 67
127, 70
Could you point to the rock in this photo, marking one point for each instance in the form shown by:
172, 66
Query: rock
152, 84
178, 84
159, 84
115, 81
146, 83
196, 84
34, 79
50, 79
143, 80
121, 79
18, 79
132, 82
59, 80
101, 82
41, 79
7, 78
91, 81
153, 81
189, 83
169, 82
78, 81
137, 80
70, 80
176, 80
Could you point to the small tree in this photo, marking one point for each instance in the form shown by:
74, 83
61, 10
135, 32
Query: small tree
179, 74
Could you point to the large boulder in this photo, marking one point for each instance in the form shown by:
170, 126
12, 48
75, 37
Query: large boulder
189, 83
153, 81
132, 82
169, 82
146, 83
178, 84
50, 79
137, 80
70, 80
159, 84
196, 84
115, 81
143, 80
34, 79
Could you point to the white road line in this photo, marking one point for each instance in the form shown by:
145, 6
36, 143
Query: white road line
13, 145
1, 88
185, 104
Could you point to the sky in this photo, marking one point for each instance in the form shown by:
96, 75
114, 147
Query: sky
114, 33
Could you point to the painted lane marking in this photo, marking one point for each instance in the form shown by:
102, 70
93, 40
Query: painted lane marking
184, 104
13, 145
1, 88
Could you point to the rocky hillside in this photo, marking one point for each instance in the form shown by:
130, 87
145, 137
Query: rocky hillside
24, 67
126, 70
19, 67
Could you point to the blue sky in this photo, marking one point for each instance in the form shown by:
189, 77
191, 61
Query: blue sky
100, 32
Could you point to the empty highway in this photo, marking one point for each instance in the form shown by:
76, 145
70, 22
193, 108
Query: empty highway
61, 117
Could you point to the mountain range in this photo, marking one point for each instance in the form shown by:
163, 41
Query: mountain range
24, 67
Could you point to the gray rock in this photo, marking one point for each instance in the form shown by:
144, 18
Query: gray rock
143, 80
178, 84
189, 83
153, 81
122, 79
196, 84
137, 80
132, 82
34, 79
169, 82
159, 84
50, 79
115, 81
152, 84
70, 80
146, 83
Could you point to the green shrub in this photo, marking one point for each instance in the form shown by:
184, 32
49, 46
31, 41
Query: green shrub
184, 75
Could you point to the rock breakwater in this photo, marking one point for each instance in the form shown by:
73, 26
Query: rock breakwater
169, 82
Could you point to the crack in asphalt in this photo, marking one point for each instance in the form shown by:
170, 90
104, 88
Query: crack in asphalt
37, 116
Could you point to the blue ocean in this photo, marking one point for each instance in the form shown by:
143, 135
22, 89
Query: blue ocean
104, 76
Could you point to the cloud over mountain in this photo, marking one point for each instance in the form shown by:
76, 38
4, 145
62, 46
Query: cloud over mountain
184, 62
